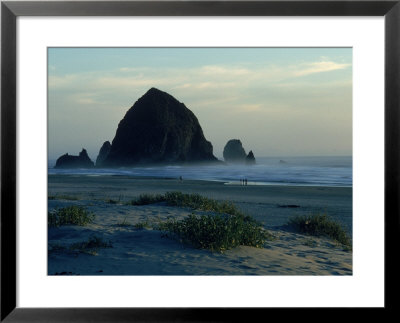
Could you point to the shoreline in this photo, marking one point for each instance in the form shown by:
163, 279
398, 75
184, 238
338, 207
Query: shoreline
262, 202
145, 252
225, 182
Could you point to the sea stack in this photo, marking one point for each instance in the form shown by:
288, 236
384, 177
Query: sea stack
159, 129
234, 153
250, 159
103, 153
70, 161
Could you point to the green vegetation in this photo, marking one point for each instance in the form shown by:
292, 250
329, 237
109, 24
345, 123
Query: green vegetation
145, 199
91, 246
226, 229
321, 225
199, 202
216, 232
70, 215
194, 201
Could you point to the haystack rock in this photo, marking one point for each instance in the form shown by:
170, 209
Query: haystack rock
159, 129
103, 153
234, 152
250, 159
70, 161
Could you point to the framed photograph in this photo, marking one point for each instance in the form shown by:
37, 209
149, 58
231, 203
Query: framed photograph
197, 161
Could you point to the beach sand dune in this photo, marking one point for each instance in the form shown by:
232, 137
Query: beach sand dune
138, 248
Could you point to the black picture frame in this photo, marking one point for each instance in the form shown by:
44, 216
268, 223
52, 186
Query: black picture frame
10, 10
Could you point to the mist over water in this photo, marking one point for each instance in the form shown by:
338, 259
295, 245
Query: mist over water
292, 171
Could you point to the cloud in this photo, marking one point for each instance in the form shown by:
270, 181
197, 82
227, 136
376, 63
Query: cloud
62, 82
218, 70
250, 107
190, 78
319, 67
237, 88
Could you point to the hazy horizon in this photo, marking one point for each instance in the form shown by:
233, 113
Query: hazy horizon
220, 157
278, 101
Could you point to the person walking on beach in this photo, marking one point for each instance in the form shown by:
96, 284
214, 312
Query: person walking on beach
245, 180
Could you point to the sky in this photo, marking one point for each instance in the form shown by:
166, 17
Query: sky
277, 101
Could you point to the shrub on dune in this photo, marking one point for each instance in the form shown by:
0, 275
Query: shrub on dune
90, 246
226, 228
320, 225
217, 232
145, 199
70, 215
194, 201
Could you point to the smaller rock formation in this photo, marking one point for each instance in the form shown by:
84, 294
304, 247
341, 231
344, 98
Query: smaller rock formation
70, 161
103, 153
234, 151
250, 159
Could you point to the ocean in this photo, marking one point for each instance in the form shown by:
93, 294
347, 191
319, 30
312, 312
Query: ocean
292, 171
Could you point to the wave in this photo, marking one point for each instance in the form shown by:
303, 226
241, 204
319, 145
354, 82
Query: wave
308, 171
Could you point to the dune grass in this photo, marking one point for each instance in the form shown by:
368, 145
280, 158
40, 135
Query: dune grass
217, 232
225, 229
321, 225
145, 199
70, 215
194, 201
90, 246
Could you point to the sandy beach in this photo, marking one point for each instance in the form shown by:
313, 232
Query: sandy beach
144, 251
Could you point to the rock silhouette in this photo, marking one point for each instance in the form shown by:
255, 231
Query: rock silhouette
250, 159
71, 161
234, 153
158, 129
103, 153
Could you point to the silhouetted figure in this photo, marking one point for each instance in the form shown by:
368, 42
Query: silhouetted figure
245, 180
180, 178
